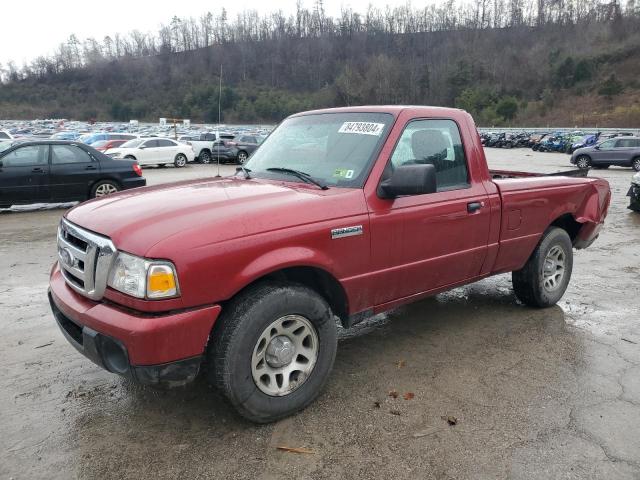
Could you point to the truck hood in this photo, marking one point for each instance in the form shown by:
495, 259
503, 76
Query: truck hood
192, 213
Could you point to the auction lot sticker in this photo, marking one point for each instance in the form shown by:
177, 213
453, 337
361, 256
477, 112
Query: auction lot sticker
362, 128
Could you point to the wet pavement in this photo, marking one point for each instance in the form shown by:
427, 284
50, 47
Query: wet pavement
533, 394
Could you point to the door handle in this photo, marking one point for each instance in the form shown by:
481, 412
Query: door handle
474, 206
37, 170
90, 167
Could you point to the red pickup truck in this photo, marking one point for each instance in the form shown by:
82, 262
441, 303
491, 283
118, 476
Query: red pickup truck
340, 214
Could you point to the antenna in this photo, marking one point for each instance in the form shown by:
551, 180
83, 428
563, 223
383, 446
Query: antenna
219, 120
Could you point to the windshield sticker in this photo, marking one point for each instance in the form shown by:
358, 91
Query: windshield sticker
343, 173
362, 128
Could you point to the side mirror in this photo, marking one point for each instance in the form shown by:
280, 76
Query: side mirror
597, 147
141, 147
409, 180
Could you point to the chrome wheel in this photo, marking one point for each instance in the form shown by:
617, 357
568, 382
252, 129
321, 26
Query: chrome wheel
105, 189
242, 157
553, 268
583, 162
284, 355
636, 164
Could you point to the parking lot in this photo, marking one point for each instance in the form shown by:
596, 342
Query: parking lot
468, 384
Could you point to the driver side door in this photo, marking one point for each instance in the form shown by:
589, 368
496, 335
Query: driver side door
427, 241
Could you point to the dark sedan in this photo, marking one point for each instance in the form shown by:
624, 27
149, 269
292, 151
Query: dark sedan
57, 171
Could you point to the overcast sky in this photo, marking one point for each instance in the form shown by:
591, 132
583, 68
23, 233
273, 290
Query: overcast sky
29, 28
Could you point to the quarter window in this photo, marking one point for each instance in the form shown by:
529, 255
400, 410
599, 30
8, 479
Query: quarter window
437, 143
68, 154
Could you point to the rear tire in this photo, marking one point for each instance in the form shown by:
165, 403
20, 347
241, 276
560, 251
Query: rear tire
180, 160
248, 328
544, 278
204, 157
242, 157
635, 164
103, 188
583, 162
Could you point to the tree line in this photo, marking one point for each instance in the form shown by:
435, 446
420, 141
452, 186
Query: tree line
496, 58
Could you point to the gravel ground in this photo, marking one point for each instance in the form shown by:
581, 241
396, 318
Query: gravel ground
533, 394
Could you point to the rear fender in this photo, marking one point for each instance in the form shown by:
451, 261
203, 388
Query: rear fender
592, 212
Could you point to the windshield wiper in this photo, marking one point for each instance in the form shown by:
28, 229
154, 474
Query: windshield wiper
244, 170
305, 177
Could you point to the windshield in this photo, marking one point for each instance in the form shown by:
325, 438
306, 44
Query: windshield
132, 143
336, 149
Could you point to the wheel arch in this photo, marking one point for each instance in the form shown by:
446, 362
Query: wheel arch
568, 223
317, 279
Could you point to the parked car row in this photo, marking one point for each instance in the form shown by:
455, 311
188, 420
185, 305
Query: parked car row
556, 141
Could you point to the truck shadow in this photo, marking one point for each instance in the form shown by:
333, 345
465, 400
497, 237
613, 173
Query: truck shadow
437, 348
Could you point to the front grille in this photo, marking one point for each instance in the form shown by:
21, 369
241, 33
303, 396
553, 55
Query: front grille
85, 259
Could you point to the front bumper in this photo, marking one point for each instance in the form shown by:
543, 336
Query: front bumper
158, 350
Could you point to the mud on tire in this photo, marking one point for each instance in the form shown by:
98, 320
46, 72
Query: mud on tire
237, 336
544, 278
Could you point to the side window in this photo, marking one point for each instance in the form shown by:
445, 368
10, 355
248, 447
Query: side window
26, 156
68, 154
4, 135
151, 143
607, 144
209, 137
166, 143
249, 140
438, 143
627, 142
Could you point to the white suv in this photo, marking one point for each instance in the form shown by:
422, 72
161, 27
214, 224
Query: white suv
155, 151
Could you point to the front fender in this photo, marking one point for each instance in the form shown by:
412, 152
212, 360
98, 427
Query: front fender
280, 259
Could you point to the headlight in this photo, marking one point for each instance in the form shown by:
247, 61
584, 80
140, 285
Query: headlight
143, 278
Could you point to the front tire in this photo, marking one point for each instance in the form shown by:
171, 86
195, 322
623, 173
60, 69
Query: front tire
583, 162
103, 188
180, 160
545, 277
272, 350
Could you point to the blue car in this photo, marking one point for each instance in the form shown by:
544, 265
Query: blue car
584, 142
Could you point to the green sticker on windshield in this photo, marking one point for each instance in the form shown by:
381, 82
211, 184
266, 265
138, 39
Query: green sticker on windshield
343, 173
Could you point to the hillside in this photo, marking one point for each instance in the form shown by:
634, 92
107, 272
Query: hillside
563, 71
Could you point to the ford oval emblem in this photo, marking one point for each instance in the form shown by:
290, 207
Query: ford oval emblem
67, 257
